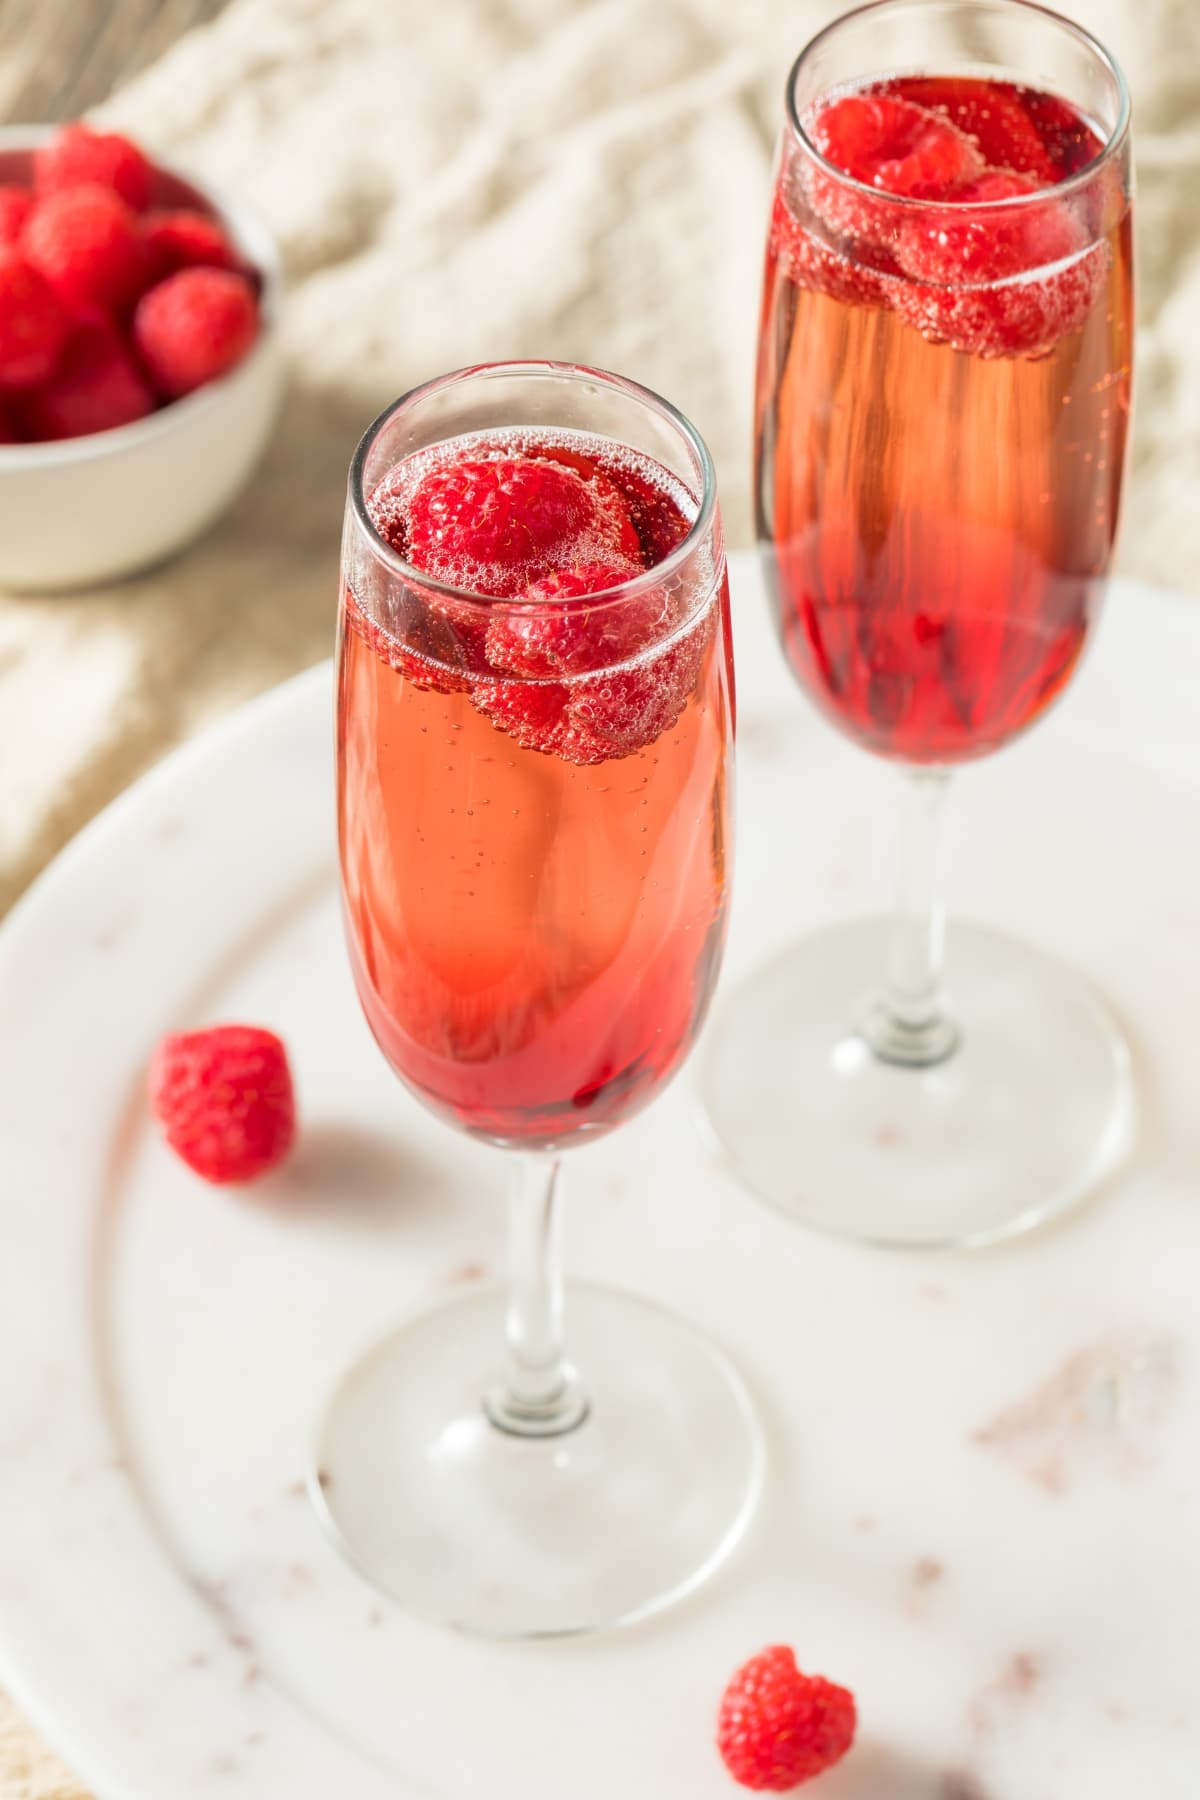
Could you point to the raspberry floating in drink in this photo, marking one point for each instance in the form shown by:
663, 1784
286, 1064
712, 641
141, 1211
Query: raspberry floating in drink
941, 424
985, 282
887, 143
940, 531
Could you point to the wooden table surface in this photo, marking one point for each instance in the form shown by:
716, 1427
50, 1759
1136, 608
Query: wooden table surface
58, 57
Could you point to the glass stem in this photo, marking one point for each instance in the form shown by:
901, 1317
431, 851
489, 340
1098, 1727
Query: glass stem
540, 1395
911, 1025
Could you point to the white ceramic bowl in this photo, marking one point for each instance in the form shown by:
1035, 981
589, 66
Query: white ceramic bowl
90, 509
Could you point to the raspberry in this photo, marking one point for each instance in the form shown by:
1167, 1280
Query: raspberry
568, 639
492, 525
532, 712
97, 387
622, 710
810, 263
662, 516
33, 326
992, 113
193, 327
494, 522
778, 1728
185, 240
953, 244
887, 144
595, 718
436, 653
16, 204
80, 157
1069, 141
990, 298
85, 242
618, 528
8, 431
224, 1100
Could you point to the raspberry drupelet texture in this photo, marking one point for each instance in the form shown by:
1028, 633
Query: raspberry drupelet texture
224, 1099
184, 239
890, 145
494, 524
193, 327
560, 661
33, 325
963, 268
86, 243
556, 637
778, 1728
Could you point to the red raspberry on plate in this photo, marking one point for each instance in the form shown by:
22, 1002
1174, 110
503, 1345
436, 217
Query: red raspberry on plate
893, 146
96, 387
185, 239
8, 431
16, 204
977, 277
193, 327
77, 156
85, 241
33, 326
778, 1728
224, 1100
556, 637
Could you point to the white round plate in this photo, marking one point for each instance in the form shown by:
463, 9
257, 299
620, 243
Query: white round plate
984, 1475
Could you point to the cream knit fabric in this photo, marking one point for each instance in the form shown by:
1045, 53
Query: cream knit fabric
497, 178
484, 178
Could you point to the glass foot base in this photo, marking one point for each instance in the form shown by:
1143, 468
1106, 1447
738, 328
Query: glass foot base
1033, 1109
467, 1525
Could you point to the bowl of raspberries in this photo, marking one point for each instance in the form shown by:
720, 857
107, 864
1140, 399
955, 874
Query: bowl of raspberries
140, 370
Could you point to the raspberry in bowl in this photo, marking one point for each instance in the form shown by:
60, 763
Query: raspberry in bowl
140, 368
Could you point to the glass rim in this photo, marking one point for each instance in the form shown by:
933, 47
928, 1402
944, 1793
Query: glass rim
640, 583
1070, 184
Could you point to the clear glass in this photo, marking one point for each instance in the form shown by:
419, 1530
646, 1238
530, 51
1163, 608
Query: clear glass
941, 441
535, 930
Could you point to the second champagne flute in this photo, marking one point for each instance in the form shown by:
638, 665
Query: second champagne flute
942, 411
